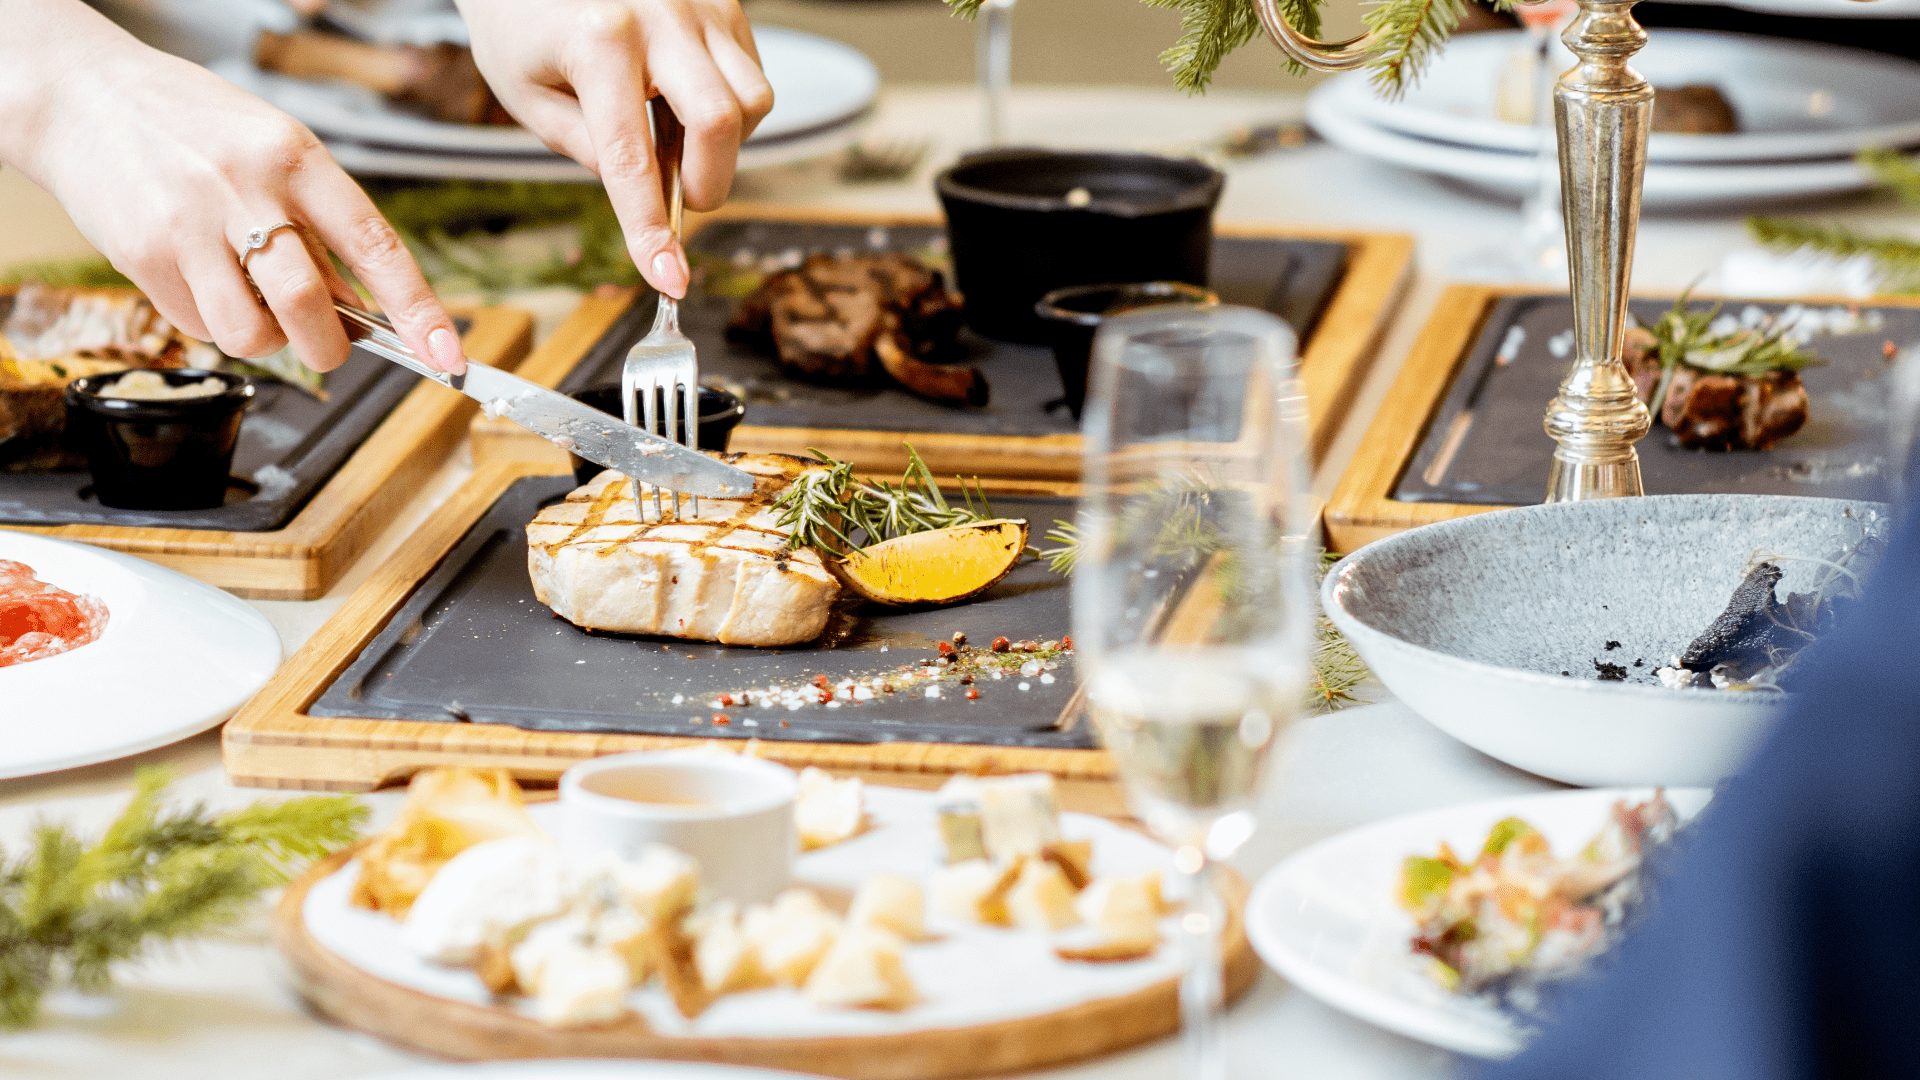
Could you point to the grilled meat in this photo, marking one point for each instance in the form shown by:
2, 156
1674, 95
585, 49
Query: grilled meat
1710, 411
856, 319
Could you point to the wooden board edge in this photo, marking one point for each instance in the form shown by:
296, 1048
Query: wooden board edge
273, 742
421, 1021
1347, 340
303, 559
1361, 509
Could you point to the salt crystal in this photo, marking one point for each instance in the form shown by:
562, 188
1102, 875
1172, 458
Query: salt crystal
678, 698
1046, 680
934, 690
1026, 686
1030, 668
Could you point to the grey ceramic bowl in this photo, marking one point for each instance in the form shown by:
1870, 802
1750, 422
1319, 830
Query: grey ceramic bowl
1472, 621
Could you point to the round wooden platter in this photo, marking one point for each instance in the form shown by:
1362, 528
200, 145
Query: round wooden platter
459, 1030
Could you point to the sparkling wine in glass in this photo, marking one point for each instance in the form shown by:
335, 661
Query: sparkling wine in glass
1190, 609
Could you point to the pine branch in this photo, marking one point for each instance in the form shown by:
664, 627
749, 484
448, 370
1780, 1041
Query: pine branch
1897, 258
155, 875
1408, 34
1211, 29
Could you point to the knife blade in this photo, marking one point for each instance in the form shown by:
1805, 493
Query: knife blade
599, 437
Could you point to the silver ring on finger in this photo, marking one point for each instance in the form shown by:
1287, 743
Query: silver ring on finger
256, 240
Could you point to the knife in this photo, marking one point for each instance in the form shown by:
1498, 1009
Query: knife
599, 437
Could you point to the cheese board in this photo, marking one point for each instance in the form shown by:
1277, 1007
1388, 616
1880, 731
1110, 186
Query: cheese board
990, 1000
280, 738
1341, 285
1460, 432
319, 477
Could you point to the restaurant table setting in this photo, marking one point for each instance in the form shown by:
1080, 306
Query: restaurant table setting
1001, 766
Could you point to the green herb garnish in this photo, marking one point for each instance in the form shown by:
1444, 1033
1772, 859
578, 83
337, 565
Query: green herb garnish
69, 911
1686, 337
822, 510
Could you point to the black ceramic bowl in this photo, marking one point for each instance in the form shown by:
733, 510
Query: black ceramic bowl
157, 455
1073, 315
720, 413
1017, 232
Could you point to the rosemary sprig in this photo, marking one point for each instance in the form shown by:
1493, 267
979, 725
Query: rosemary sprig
823, 510
1686, 337
69, 911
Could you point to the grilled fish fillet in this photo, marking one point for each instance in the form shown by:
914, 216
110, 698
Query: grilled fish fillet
724, 576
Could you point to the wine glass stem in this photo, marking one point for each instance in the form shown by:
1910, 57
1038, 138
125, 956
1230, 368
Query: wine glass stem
1200, 986
994, 63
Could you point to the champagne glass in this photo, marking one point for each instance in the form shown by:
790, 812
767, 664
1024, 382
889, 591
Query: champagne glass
1190, 604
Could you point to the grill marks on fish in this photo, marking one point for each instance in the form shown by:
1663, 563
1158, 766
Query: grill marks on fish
726, 575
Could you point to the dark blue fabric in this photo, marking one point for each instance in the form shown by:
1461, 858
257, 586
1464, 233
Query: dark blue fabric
1786, 942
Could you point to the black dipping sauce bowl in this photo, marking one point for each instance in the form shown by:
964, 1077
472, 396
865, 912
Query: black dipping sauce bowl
1018, 230
170, 454
720, 413
1072, 316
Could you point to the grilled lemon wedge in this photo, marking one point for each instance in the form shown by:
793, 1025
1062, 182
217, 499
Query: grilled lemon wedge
943, 566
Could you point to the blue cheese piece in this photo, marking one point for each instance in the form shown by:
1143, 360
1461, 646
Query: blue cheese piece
575, 980
890, 902
1041, 898
659, 885
827, 811
791, 934
1019, 815
862, 970
727, 960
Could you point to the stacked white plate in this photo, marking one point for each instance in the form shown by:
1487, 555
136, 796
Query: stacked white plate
822, 88
1803, 110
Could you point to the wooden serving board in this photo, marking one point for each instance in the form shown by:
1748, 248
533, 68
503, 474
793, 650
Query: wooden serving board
1460, 432
303, 559
276, 741
456, 1029
1334, 359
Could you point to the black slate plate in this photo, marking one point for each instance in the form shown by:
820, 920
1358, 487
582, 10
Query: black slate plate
473, 637
1504, 458
290, 444
1291, 278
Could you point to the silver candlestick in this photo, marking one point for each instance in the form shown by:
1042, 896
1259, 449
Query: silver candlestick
1602, 109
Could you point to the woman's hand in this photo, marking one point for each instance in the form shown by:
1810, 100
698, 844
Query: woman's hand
166, 168
578, 73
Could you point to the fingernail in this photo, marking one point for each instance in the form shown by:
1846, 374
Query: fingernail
445, 351
670, 274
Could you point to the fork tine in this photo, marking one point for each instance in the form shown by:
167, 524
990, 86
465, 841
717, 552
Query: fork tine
690, 418
630, 410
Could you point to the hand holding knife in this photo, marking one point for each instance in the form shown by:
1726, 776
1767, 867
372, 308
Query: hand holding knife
596, 436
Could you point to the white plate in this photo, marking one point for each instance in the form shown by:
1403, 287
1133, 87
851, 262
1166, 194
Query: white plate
1515, 175
971, 975
817, 83
1794, 99
1326, 917
362, 159
177, 657
589, 1069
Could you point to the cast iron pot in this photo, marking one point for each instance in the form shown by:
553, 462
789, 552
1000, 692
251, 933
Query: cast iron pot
1017, 232
720, 413
158, 455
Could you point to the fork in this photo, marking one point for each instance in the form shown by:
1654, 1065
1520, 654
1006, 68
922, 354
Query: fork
661, 370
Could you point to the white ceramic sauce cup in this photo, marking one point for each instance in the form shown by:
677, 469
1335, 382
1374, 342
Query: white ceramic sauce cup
732, 814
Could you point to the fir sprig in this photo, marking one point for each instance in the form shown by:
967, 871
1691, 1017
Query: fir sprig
824, 509
1407, 35
69, 911
1896, 258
